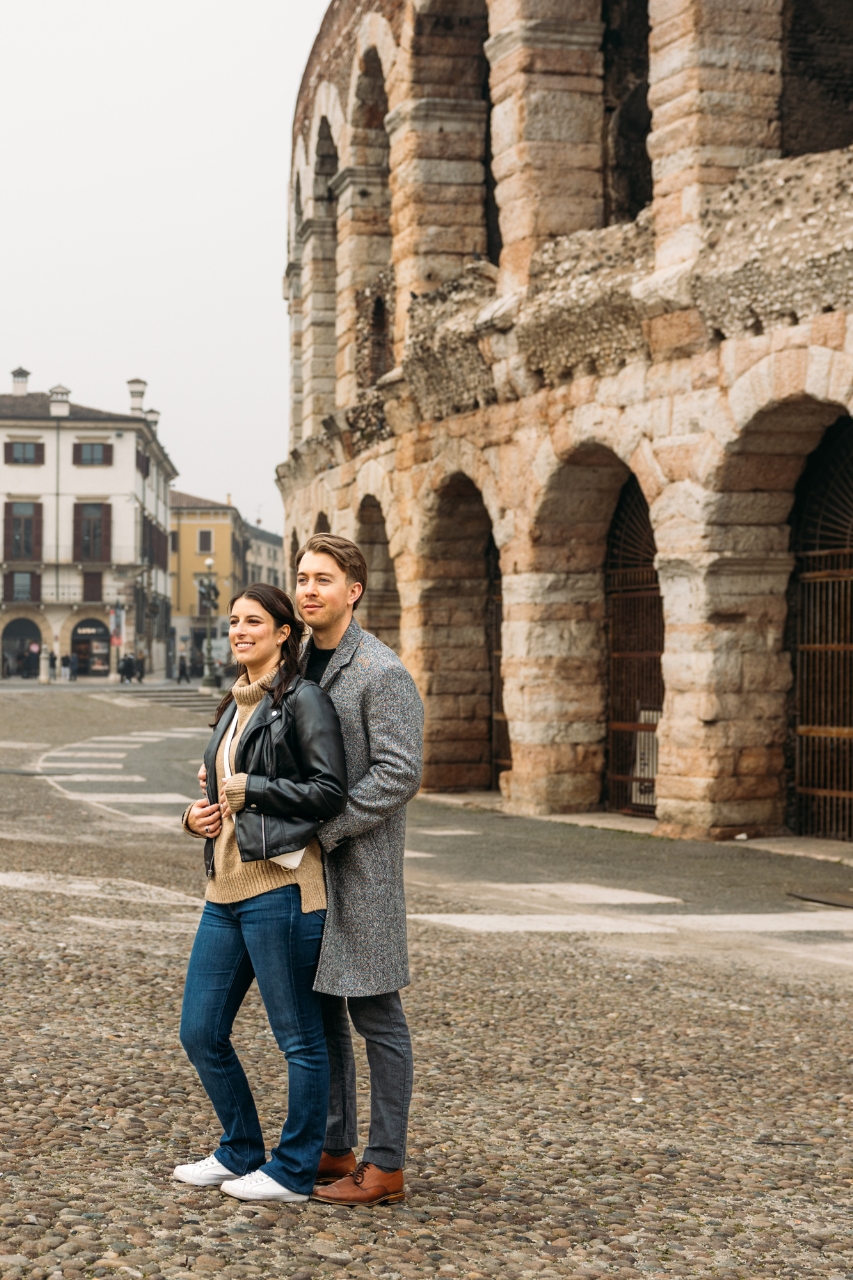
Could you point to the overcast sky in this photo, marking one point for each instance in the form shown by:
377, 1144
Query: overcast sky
144, 219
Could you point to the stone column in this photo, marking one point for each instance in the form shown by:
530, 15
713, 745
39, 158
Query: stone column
714, 87
318, 240
546, 126
437, 193
293, 297
727, 676
554, 665
364, 249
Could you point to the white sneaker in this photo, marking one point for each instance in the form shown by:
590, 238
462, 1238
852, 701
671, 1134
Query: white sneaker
259, 1186
204, 1173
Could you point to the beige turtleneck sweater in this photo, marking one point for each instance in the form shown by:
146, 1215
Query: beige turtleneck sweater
233, 879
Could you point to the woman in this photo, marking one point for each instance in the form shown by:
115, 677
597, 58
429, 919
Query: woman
273, 770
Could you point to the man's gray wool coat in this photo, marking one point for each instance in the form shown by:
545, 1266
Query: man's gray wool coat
365, 952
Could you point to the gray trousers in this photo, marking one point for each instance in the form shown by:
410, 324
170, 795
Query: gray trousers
381, 1022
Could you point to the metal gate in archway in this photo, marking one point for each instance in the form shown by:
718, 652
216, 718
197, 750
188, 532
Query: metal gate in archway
822, 540
635, 634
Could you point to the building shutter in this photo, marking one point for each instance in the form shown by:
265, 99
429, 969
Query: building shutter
77, 455
8, 550
39, 455
106, 531
38, 525
77, 553
8, 586
108, 455
35, 587
8, 456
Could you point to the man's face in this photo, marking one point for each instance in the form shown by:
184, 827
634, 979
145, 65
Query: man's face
324, 597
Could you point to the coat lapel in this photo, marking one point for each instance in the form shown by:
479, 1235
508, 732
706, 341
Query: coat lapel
343, 655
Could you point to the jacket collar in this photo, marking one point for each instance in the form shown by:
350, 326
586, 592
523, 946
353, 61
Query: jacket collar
342, 656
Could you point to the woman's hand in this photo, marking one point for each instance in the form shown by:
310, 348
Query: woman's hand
224, 806
204, 819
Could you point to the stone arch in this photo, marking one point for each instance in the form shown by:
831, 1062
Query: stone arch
555, 637
816, 106
626, 162
725, 564
365, 272
457, 637
318, 280
438, 147
321, 524
379, 611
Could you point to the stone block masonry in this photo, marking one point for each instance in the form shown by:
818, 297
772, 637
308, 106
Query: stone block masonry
597, 257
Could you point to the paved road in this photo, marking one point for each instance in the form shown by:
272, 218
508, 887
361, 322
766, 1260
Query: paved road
669, 1097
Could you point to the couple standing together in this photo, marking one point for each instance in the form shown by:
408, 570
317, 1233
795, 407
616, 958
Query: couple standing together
315, 752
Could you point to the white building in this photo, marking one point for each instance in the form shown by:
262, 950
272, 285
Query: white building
85, 532
265, 557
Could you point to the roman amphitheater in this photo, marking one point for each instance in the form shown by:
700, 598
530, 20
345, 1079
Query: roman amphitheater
571, 298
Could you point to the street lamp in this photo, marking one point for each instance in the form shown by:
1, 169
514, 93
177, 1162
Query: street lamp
209, 593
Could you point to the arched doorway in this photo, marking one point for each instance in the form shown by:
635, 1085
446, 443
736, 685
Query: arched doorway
466, 741
821, 635
379, 612
21, 648
90, 641
635, 634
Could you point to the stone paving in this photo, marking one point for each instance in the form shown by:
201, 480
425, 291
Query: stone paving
578, 1111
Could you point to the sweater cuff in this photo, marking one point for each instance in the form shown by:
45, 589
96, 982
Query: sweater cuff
186, 826
235, 791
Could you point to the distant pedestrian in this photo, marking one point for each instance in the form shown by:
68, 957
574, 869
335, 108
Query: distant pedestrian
139, 669
183, 673
52, 664
73, 666
64, 667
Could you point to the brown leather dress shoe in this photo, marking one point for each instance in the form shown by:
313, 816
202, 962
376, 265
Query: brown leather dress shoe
333, 1168
367, 1185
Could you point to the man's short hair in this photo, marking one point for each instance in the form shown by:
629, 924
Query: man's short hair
345, 554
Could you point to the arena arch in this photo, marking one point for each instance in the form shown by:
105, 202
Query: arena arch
575, 703
318, 285
626, 164
379, 611
457, 628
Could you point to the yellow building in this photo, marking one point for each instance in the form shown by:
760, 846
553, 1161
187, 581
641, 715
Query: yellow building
202, 530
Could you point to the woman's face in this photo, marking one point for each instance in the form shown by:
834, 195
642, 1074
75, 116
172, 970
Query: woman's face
255, 636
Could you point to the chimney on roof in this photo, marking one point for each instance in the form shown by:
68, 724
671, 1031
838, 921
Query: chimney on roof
137, 391
19, 381
152, 417
59, 406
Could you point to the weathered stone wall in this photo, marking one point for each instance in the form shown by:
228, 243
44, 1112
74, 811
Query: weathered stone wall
704, 346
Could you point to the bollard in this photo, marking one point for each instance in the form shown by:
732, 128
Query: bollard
44, 665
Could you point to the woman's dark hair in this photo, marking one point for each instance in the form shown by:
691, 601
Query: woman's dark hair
279, 605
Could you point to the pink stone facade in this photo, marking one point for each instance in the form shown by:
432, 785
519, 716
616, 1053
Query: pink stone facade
581, 249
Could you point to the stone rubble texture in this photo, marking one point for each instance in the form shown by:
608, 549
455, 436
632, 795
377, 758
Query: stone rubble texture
572, 1117
701, 343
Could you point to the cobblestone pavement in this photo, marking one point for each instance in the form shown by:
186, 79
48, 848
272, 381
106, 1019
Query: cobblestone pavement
583, 1106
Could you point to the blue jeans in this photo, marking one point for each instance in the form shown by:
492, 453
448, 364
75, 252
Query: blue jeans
268, 938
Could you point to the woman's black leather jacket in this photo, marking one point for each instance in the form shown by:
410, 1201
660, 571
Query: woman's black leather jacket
297, 774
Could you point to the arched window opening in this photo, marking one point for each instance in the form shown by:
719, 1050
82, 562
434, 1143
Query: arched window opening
321, 524
326, 165
379, 610
494, 243
635, 626
627, 118
380, 358
318, 288
297, 197
816, 110
820, 627
467, 741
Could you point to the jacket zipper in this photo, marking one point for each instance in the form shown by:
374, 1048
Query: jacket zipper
263, 835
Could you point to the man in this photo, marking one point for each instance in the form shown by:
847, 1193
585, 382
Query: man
364, 958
